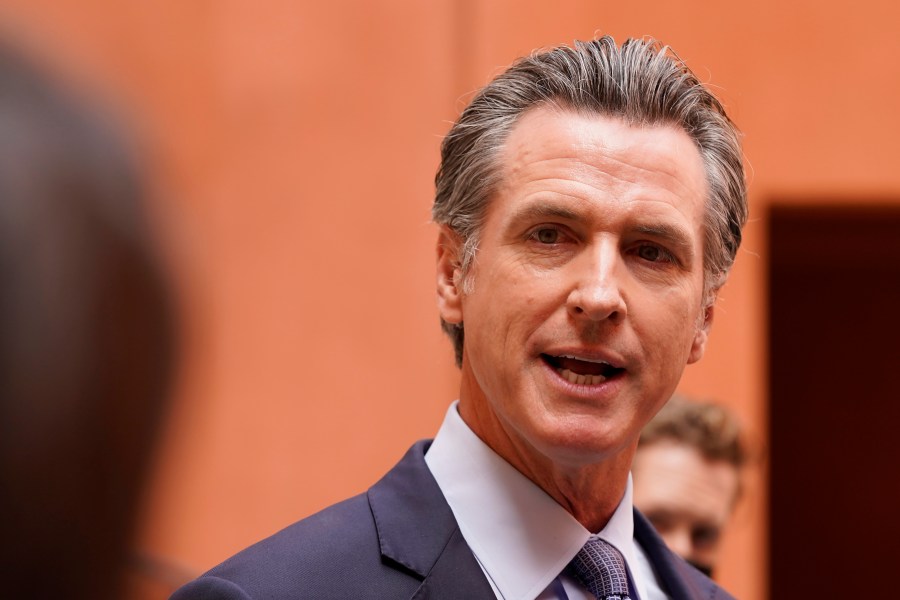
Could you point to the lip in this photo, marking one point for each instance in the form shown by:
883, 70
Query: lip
590, 355
595, 392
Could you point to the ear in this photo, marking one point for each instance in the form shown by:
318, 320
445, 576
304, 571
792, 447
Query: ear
449, 276
698, 346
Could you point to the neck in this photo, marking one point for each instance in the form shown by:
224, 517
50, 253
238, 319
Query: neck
589, 485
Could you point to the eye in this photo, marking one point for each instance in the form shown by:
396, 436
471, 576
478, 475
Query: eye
663, 523
654, 254
651, 253
705, 536
546, 235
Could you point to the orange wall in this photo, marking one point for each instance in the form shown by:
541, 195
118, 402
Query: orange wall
294, 145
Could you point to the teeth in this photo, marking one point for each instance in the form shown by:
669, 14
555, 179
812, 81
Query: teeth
599, 362
581, 379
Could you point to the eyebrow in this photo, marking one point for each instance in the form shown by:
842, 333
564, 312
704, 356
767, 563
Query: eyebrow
543, 211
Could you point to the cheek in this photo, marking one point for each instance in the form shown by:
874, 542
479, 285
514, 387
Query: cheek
675, 319
664, 327
524, 302
666, 330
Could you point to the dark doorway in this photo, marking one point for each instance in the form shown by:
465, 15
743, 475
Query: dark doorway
835, 402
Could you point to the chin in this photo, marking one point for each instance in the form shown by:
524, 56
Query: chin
580, 442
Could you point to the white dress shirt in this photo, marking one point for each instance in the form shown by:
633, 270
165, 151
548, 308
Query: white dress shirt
521, 537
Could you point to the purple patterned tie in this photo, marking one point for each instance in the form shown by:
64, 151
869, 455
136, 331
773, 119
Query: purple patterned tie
601, 569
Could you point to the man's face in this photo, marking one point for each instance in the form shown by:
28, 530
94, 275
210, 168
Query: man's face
586, 289
686, 496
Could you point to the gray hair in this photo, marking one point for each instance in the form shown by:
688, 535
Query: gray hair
642, 82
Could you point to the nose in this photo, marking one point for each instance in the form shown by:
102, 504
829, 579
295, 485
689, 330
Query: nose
597, 293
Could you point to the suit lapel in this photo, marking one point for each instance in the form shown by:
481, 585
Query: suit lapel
680, 580
419, 535
456, 574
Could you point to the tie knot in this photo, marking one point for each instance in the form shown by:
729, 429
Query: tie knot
601, 569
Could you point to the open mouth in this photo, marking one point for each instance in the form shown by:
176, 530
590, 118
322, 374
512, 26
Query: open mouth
581, 371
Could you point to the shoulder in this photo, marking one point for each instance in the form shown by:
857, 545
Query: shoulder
380, 544
331, 554
334, 533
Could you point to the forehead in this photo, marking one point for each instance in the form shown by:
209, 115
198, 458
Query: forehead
586, 155
672, 473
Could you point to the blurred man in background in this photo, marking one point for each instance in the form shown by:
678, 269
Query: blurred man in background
687, 477
86, 344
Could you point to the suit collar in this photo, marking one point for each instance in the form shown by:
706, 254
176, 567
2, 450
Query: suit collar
418, 534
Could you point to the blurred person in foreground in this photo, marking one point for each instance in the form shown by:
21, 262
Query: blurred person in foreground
86, 345
590, 202
687, 477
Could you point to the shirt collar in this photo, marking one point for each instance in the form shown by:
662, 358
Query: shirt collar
521, 537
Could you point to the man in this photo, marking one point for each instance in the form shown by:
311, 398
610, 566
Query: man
590, 204
687, 477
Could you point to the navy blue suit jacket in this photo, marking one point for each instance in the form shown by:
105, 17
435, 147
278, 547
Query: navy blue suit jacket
397, 541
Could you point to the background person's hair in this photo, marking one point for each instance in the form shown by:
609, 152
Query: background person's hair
709, 428
86, 345
643, 83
